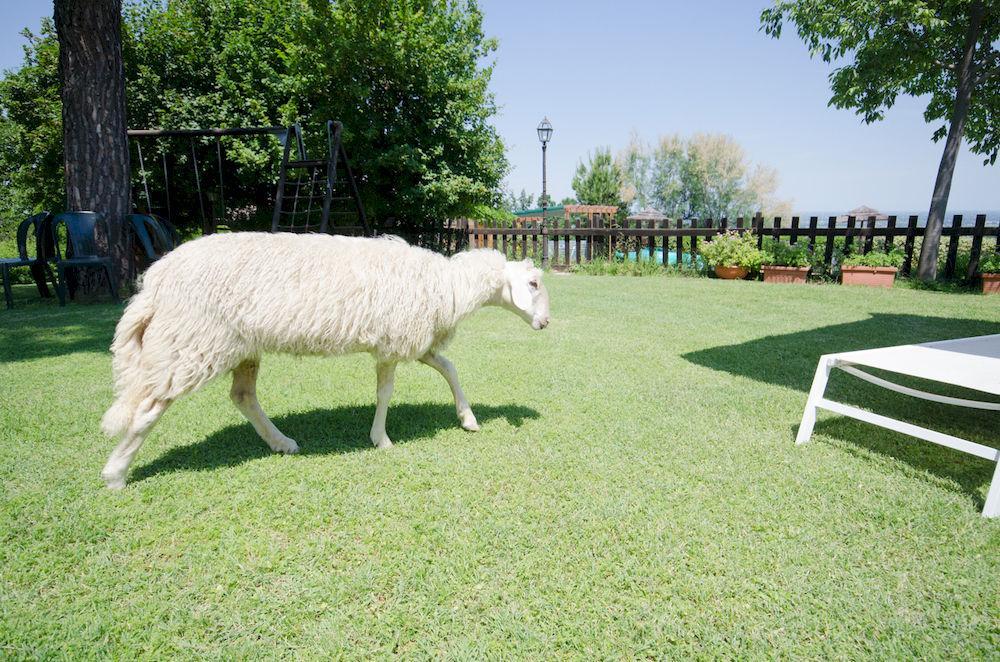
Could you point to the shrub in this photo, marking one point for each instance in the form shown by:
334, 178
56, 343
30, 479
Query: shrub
732, 249
893, 258
783, 254
990, 264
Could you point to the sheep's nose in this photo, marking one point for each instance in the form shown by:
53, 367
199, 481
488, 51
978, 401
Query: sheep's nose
544, 323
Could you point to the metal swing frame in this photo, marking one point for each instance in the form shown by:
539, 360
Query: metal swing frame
324, 170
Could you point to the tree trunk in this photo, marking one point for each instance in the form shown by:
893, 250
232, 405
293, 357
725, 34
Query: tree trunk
92, 79
927, 268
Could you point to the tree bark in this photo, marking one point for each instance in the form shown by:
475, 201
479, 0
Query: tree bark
95, 143
927, 267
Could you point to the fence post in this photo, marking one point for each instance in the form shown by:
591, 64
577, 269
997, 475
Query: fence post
949, 265
870, 237
758, 228
849, 237
679, 250
795, 230
813, 222
545, 245
831, 227
977, 246
911, 232
890, 235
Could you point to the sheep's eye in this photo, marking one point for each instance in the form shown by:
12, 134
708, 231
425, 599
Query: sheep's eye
534, 284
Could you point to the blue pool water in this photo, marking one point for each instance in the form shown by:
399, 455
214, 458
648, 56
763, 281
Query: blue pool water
658, 257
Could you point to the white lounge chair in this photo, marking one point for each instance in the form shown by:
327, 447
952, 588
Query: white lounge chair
972, 363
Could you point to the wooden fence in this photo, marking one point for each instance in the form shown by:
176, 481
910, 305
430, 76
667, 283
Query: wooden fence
563, 242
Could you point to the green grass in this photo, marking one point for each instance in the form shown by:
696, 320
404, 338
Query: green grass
634, 492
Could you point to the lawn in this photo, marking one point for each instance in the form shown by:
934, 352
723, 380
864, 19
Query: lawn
634, 491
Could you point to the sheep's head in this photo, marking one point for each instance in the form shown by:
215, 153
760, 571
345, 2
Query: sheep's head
524, 293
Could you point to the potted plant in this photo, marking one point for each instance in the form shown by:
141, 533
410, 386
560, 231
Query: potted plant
786, 263
732, 255
989, 269
874, 269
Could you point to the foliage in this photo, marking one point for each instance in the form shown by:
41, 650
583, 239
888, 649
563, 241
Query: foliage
875, 258
408, 78
622, 267
31, 159
704, 176
909, 47
565, 528
783, 254
732, 249
990, 264
519, 202
599, 181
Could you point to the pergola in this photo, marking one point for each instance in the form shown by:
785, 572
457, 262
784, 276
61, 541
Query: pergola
566, 212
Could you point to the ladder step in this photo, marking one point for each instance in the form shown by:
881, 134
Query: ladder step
310, 163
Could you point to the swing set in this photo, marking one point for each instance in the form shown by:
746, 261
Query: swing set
311, 194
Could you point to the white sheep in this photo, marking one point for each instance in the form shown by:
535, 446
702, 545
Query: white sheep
217, 304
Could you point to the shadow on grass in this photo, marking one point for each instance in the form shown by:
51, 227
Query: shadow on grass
961, 473
47, 330
322, 432
790, 360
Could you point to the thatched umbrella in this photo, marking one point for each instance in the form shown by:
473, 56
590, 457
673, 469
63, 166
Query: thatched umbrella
648, 214
863, 213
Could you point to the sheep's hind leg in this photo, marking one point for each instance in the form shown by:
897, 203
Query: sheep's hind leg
447, 370
244, 396
145, 417
386, 374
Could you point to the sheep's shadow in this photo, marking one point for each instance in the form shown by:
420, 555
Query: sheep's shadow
322, 432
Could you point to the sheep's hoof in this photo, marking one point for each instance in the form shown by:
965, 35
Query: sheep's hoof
114, 482
285, 445
382, 443
469, 422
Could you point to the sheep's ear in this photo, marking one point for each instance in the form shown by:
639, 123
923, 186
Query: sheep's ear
520, 294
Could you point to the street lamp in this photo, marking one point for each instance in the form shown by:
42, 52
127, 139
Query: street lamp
544, 135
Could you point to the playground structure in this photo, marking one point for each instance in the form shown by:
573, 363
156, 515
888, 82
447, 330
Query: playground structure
311, 194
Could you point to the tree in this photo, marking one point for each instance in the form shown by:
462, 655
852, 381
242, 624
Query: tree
408, 78
92, 91
599, 182
704, 176
943, 49
519, 202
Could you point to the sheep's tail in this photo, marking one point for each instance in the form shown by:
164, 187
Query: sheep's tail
127, 349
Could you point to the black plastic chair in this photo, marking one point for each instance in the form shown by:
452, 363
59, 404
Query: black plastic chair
153, 238
38, 225
81, 249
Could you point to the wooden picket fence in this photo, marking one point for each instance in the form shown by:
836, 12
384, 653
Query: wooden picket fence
559, 243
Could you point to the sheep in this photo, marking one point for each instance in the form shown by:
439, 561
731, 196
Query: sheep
216, 304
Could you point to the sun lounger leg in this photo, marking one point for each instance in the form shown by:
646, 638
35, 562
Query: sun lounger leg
992, 507
815, 395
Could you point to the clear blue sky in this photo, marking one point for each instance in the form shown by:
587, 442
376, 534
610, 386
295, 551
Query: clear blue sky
600, 69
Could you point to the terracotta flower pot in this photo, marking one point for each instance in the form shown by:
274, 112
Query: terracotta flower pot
776, 274
991, 283
868, 276
731, 273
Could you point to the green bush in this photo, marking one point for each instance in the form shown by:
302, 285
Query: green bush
990, 264
783, 254
732, 249
893, 258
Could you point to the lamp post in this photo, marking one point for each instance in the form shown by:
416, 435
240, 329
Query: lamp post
544, 135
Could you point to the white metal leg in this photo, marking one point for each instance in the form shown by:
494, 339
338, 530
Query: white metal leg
815, 395
992, 507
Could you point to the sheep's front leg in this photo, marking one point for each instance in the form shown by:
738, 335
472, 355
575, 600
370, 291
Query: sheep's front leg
244, 396
386, 373
447, 370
